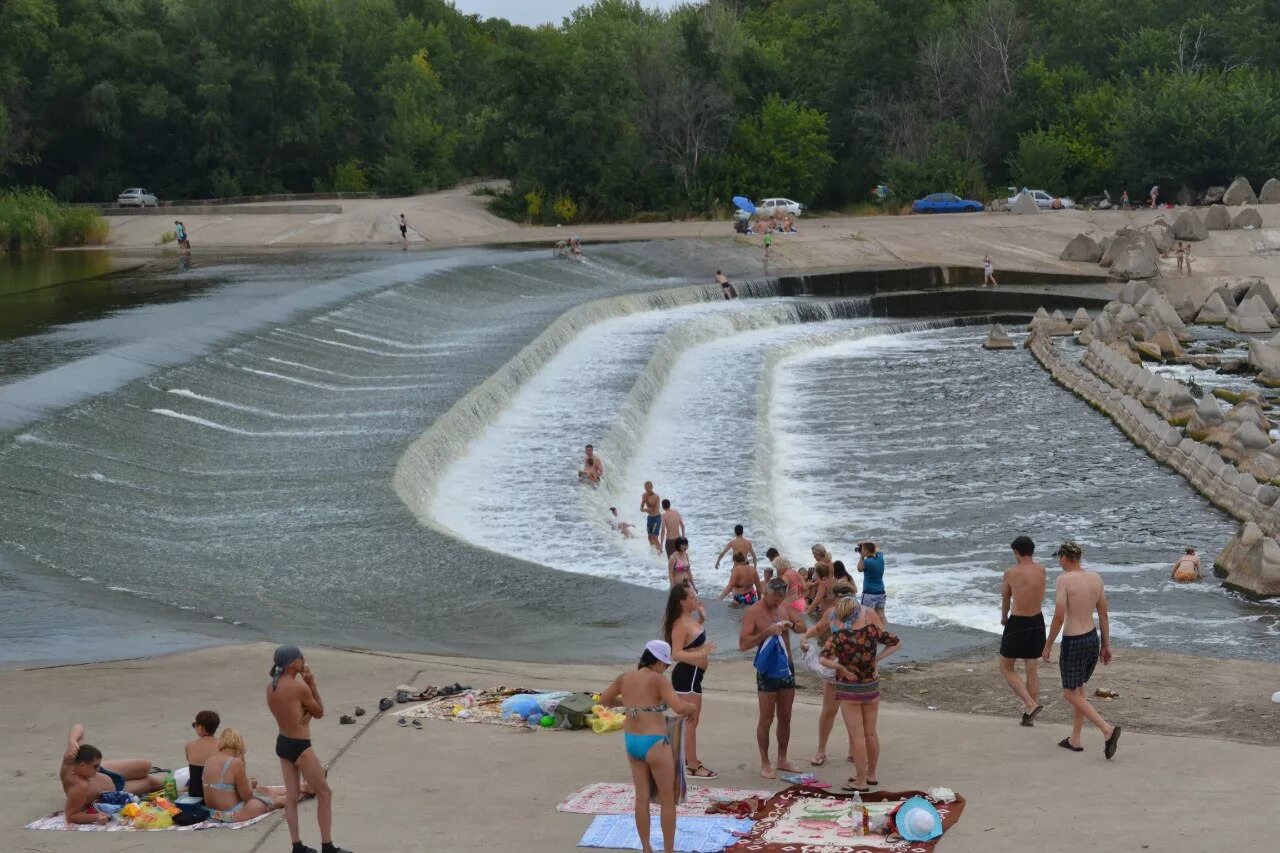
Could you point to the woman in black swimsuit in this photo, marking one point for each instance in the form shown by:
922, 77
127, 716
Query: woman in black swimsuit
682, 628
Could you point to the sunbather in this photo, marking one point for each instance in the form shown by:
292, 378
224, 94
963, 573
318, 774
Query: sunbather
85, 777
230, 793
199, 750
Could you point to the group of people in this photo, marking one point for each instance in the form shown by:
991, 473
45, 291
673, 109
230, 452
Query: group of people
1183, 253
571, 248
180, 234
218, 772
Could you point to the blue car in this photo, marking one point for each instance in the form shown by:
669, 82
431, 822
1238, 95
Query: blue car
945, 203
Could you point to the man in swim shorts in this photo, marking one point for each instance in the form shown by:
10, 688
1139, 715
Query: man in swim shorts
739, 544
1078, 594
85, 777
672, 527
771, 617
651, 507
726, 286
1021, 603
744, 582
294, 701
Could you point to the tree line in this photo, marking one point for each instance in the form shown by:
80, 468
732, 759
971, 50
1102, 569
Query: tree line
624, 112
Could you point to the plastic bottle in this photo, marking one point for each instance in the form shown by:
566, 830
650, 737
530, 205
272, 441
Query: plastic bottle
858, 815
170, 787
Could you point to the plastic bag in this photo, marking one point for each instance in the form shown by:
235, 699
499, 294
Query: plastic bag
182, 778
150, 818
521, 705
811, 662
548, 702
605, 720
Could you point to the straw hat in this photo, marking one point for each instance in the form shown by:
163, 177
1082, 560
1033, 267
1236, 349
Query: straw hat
918, 820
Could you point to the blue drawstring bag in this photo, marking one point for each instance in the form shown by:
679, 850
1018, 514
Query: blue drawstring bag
771, 659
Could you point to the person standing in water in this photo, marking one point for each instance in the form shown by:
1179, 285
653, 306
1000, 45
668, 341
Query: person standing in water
294, 700
651, 507
794, 585
679, 570
726, 286
404, 229
771, 617
871, 566
1077, 596
682, 627
744, 581
646, 697
672, 527
1022, 615
592, 468
739, 544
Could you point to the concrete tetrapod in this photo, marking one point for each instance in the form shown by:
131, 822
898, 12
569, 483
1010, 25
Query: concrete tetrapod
1270, 192
998, 338
1246, 220
1080, 321
1207, 417
1217, 218
1250, 564
1240, 192
1189, 227
1082, 248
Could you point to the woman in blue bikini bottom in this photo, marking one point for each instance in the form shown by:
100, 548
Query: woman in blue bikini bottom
647, 696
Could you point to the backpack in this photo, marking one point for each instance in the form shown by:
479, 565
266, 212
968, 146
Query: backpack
572, 711
771, 659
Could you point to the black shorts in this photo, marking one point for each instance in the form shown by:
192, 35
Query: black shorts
291, 748
1023, 638
1077, 658
687, 678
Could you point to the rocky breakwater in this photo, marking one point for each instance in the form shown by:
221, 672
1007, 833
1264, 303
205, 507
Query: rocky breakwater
1250, 564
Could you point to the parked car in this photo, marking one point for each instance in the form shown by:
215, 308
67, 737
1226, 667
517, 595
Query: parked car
1044, 201
945, 203
137, 197
786, 205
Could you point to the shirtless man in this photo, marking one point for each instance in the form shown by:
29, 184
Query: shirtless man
795, 585
650, 506
744, 581
623, 527
295, 703
1077, 596
592, 467
672, 527
1021, 603
85, 777
726, 286
770, 617
739, 544
1187, 569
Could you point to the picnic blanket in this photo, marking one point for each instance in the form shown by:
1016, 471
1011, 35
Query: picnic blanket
805, 820
620, 798
485, 707
693, 834
58, 820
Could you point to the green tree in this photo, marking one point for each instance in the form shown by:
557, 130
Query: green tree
781, 150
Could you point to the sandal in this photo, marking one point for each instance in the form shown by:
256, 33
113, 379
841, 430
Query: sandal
852, 788
402, 722
1065, 743
417, 724
347, 720
818, 760
1110, 748
707, 772
1029, 719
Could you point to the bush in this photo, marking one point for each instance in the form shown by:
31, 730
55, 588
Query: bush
1041, 161
33, 219
348, 177
564, 209
533, 204
398, 174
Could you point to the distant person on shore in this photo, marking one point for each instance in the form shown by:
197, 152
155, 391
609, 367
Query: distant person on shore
85, 777
180, 234
1022, 615
679, 570
1155, 194
988, 272
199, 750
1186, 257
739, 544
592, 468
1078, 594
744, 581
871, 567
1181, 254
765, 620
682, 628
231, 794
294, 700
404, 229
672, 527
646, 697
1124, 201
851, 650
830, 707
1187, 568
616, 523
726, 286
768, 243
649, 505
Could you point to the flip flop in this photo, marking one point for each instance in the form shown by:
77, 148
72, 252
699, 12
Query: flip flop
417, 724
818, 760
1030, 719
1065, 743
852, 789
1110, 748
873, 782
402, 722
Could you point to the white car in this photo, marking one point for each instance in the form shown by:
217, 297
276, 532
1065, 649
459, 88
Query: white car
137, 197
786, 205
1044, 201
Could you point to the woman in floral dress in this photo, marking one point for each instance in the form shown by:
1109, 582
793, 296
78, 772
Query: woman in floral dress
852, 650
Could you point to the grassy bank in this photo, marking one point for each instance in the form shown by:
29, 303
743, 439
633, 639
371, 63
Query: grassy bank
33, 219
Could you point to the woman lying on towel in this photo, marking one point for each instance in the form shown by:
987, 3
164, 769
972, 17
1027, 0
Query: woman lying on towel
647, 697
230, 794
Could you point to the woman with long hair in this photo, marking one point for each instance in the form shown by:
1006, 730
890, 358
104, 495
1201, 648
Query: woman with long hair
647, 696
683, 630
679, 571
852, 652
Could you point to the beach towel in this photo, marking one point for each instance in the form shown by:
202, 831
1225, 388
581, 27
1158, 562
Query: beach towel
485, 707
800, 819
675, 733
693, 834
620, 798
58, 821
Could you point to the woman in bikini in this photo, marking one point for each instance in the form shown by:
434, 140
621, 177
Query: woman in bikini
678, 568
851, 651
230, 794
647, 696
683, 630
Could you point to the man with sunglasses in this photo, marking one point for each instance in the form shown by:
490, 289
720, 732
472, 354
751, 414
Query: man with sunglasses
85, 777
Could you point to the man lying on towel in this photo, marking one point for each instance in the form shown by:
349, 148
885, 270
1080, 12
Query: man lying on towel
86, 777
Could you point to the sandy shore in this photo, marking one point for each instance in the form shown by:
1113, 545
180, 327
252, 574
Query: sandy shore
459, 787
